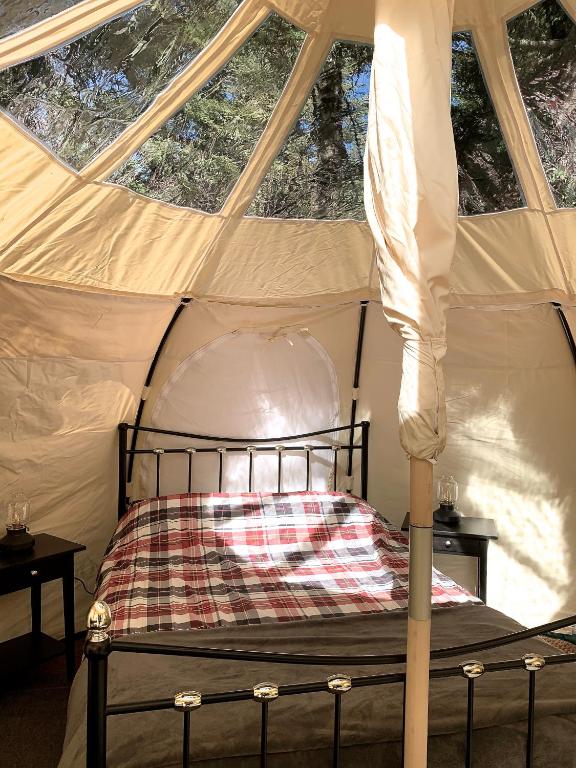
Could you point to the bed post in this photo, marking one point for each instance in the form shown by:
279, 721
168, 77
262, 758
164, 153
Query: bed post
97, 649
365, 427
122, 448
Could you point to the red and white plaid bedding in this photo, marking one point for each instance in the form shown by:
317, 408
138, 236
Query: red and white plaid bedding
205, 560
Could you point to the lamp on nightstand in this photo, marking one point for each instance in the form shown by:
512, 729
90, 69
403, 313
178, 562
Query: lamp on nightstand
17, 538
447, 496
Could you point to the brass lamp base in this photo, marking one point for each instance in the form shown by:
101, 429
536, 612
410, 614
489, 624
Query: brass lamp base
17, 540
447, 514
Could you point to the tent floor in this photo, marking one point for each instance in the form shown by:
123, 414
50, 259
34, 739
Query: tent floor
33, 715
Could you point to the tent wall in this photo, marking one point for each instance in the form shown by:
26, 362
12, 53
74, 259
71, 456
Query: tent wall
82, 316
73, 364
512, 425
71, 367
510, 388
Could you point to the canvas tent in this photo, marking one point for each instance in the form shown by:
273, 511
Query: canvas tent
96, 257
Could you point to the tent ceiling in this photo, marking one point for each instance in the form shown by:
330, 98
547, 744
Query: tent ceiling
73, 228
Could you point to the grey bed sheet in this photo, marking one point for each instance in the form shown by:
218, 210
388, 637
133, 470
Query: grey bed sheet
300, 727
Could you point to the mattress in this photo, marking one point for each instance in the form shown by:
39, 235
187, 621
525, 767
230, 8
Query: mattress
198, 561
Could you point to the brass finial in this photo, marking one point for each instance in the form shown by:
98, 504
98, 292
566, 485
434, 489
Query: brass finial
98, 621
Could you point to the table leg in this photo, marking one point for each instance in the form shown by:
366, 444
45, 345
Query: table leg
36, 606
69, 623
483, 570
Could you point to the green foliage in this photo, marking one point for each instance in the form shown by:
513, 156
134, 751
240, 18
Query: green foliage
198, 155
543, 47
79, 97
486, 177
319, 172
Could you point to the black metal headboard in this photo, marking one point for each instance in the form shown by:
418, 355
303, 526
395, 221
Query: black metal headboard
242, 445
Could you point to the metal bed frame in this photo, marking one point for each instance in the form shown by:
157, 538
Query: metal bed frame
99, 645
249, 446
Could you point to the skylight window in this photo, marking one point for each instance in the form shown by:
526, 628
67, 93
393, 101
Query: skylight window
319, 171
197, 156
486, 178
16, 16
543, 46
81, 96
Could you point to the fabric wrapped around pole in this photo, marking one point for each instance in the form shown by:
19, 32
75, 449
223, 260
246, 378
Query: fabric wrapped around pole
411, 198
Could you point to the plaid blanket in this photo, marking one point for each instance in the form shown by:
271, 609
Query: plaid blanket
207, 560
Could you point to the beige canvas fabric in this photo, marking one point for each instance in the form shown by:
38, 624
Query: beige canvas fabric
72, 365
50, 212
411, 195
95, 271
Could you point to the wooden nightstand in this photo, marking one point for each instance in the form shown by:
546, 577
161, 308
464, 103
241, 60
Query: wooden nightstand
470, 537
52, 558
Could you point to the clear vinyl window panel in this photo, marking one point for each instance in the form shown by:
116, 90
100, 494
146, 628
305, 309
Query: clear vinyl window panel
79, 97
197, 156
319, 171
16, 15
543, 46
253, 385
486, 179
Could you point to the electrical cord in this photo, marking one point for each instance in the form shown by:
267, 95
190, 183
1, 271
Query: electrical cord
84, 587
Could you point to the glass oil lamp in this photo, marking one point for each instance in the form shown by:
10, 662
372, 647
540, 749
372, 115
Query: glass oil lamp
17, 539
447, 512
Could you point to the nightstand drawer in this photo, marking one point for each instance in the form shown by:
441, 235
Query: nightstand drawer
24, 576
447, 544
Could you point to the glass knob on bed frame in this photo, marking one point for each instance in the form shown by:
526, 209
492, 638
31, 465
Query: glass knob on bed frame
533, 661
265, 691
472, 669
187, 700
339, 683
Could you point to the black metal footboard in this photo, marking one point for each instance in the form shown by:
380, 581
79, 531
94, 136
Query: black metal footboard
99, 646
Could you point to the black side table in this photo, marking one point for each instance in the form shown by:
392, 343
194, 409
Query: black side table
469, 537
52, 558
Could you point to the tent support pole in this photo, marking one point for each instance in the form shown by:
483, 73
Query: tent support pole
567, 330
138, 419
419, 615
356, 383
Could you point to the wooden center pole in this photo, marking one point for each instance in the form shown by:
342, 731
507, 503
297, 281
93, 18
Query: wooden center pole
419, 615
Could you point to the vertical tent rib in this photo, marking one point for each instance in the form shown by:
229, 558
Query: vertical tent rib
356, 382
150, 375
566, 328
